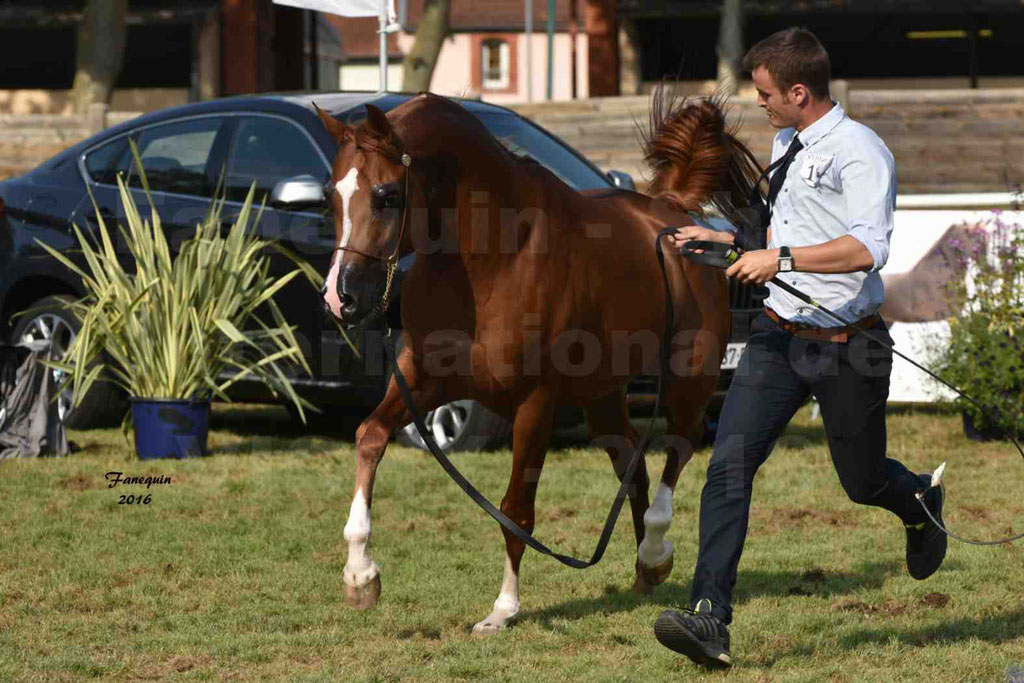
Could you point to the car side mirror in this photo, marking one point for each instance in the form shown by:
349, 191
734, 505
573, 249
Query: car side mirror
298, 192
622, 180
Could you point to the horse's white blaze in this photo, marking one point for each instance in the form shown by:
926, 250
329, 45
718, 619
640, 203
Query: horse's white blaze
360, 567
506, 605
654, 550
346, 187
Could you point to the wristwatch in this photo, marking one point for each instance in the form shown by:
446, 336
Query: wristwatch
785, 260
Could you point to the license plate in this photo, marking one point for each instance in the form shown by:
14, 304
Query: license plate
732, 355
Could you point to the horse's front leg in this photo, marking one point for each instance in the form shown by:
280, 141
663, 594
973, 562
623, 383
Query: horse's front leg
531, 433
608, 420
361, 574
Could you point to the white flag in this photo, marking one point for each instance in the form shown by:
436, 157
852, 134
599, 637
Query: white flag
345, 8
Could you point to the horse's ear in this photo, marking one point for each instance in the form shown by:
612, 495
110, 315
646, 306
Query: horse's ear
338, 130
378, 121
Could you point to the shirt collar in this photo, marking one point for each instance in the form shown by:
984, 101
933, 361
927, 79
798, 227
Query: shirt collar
821, 127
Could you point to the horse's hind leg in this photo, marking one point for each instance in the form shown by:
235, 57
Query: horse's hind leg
531, 433
361, 574
685, 401
608, 420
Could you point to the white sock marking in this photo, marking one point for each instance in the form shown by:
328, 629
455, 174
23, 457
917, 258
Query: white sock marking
654, 549
506, 606
346, 187
360, 567
508, 598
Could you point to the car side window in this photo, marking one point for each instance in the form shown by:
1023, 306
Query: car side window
269, 150
99, 163
174, 157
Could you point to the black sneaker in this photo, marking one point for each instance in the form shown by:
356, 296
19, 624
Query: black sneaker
697, 634
926, 542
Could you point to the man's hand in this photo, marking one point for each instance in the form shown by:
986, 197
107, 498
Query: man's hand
755, 267
695, 232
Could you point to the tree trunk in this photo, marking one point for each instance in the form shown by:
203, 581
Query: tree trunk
730, 46
100, 52
418, 67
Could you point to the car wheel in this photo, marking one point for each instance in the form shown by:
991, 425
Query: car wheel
459, 426
104, 405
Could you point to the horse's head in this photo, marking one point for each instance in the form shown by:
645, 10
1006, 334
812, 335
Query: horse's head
367, 193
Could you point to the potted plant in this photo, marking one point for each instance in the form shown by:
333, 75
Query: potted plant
176, 330
985, 353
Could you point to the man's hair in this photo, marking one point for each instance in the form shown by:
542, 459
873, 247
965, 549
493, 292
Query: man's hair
793, 56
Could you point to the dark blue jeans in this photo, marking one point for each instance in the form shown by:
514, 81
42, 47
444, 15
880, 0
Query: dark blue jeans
776, 374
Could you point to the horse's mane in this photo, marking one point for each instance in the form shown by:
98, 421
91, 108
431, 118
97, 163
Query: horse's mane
695, 156
444, 110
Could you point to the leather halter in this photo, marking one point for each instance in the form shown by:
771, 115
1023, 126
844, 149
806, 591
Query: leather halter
392, 260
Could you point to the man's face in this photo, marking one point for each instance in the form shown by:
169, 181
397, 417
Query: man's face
783, 110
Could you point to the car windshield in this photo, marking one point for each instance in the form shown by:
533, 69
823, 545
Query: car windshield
526, 140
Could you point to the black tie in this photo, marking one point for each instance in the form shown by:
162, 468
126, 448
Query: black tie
753, 236
779, 177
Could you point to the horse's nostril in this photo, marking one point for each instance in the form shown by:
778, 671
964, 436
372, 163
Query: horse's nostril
348, 303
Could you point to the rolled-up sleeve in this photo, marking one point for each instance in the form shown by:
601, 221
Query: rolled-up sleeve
869, 186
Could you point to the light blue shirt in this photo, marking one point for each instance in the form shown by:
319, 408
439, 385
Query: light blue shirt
843, 182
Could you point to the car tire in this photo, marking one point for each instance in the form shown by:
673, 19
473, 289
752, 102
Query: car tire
459, 426
104, 405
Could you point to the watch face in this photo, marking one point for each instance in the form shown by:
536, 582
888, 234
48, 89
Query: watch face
785, 264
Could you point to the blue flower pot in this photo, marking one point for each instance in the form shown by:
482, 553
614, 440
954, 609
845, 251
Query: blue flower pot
166, 428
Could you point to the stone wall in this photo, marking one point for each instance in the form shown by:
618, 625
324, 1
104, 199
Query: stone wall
944, 141
29, 139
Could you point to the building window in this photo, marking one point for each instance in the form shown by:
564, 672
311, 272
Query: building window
495, 64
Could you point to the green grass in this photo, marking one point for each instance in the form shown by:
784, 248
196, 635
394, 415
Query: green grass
234, 572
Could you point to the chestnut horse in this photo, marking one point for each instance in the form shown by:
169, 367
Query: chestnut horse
525, 295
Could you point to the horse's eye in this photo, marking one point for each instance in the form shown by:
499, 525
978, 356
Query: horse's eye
386, 196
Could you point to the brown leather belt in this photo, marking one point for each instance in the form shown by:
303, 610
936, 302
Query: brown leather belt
827, 334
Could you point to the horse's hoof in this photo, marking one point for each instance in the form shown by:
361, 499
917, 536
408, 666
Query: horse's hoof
485, 628
657, 574
640, 585
365, 596
495, 622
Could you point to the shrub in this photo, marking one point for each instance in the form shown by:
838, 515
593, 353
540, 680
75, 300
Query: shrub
185, 325
985, 355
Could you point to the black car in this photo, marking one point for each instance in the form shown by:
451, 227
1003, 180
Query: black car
185, 151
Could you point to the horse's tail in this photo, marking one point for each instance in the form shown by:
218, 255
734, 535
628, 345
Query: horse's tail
695, 156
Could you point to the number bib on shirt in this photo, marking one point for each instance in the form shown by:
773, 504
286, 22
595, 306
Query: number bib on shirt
814, 168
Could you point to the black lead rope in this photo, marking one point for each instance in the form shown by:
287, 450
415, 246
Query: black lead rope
719, 255
620, 497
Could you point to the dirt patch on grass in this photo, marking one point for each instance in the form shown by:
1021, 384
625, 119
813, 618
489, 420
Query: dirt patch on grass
561, 513
936, 600
424, 632
182, 664
888, 608
976, 511
77, 482
809, 583
177, 664
777, 519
